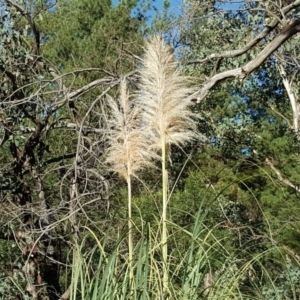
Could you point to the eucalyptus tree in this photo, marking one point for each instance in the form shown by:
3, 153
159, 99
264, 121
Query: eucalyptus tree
245, 60
52, 141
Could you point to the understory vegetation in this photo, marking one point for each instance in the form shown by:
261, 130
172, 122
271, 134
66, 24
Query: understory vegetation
149, 153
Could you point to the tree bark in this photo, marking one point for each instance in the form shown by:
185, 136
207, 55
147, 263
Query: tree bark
286, 33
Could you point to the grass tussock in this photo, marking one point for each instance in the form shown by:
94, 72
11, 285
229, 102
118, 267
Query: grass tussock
206, 270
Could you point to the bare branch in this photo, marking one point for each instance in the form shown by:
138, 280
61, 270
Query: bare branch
286, 33
64, 125
281, 115
280, 177
59, 158
112, 81
234, 53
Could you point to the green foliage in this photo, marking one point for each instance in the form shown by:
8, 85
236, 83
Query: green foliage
91, 34
285, 285
234, 206
203, 268
12, 280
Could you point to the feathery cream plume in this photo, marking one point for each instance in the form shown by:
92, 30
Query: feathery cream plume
128, 150
164, 96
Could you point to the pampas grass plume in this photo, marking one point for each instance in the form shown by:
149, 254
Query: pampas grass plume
128, 151
164, 96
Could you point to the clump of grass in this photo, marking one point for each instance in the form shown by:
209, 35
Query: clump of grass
164, 96
204, 269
